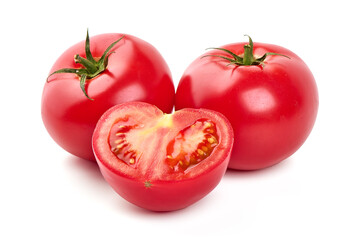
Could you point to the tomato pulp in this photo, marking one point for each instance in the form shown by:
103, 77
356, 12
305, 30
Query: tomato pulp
162, 162
272, 103
135, 71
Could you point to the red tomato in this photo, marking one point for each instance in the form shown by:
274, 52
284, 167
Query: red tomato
271, 103
135, 71
162, 162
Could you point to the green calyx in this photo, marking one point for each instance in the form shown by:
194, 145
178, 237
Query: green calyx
245, 59
90, 67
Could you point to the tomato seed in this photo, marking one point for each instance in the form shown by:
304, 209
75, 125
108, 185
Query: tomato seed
201, 152
119, 146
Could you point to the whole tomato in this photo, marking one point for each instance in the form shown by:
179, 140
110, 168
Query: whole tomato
108, 69
162, 162
266, 91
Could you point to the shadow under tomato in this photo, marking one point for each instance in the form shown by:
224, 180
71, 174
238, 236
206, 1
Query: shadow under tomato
89, 168
201, 206
277, 168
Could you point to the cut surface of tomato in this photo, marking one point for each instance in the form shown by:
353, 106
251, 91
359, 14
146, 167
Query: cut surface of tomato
162, 162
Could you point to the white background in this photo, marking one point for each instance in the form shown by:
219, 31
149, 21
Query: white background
48, 194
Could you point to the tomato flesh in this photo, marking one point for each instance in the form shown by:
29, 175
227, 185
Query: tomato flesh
192, 145
189, 147
159, 161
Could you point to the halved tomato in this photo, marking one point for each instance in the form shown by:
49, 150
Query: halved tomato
162, 162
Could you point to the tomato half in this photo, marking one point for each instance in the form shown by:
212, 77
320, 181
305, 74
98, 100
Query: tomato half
162, 162
135, 71
271, 102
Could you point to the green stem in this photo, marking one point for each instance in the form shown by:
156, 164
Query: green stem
248, 55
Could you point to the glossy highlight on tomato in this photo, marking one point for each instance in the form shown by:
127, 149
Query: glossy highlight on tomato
72, 103
266, 91
162, 162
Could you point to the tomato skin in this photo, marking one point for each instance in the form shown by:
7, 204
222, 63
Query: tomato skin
272, 109
163, 194
136, 72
